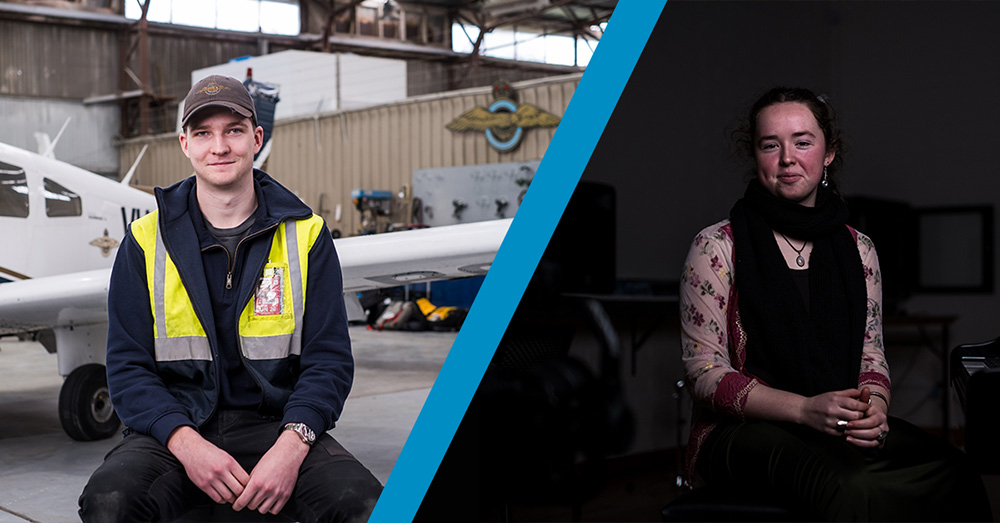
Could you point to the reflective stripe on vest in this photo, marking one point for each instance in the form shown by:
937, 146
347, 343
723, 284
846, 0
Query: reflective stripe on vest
186, 338
269, 326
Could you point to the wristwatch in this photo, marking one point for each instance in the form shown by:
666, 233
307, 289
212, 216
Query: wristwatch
305, 433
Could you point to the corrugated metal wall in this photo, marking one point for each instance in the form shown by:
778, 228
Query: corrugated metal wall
162, 165
49, 66
56, 61
60, 61
172, 58
376, 148
424, 77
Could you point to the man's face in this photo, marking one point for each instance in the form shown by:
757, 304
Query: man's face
221, 145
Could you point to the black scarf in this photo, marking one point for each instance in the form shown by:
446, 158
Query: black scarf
788, 348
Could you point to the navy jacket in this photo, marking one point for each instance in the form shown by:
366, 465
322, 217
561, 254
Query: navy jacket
143, 400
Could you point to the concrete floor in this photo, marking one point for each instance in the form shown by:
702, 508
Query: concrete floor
42, 471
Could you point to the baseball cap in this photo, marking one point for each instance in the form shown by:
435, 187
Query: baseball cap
218, 91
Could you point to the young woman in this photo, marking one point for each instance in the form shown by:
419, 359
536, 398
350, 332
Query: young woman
782, 342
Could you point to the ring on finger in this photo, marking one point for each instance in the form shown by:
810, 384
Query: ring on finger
841, 424
881, 438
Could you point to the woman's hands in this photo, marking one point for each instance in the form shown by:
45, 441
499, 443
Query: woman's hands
871, 430
850, 413
846, 413
831, 412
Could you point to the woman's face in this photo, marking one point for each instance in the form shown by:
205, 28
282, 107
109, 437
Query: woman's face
790, 152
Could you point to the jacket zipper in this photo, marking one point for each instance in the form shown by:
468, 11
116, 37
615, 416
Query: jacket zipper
239, 340
229, 285
229, 258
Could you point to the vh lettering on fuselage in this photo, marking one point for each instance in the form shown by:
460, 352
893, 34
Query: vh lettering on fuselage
130, 216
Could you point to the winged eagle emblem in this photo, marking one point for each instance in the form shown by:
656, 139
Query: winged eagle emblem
480, 119
504, 121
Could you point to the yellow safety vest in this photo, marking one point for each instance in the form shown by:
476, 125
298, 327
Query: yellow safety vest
271, 322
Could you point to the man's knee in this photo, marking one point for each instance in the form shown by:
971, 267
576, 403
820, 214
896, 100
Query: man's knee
102, 507
353, 504
348, 495
106, 500
137, 481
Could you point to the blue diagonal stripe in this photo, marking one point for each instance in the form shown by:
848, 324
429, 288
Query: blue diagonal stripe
565, 159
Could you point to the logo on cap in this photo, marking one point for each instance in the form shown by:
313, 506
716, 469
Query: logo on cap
213, 89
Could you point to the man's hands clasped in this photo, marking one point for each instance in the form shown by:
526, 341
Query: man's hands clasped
266, 489
273, 479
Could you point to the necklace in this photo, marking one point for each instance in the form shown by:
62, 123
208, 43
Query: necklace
800, 261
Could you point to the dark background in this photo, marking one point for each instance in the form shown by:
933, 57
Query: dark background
917, 91
916, 86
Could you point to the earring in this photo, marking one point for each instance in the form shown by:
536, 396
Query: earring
826, 179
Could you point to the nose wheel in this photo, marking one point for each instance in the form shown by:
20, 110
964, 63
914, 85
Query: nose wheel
85, 409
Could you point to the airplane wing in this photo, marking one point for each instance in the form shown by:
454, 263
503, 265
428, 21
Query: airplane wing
66, 300
438, 253
368, 262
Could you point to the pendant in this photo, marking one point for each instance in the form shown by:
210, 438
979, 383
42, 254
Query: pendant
800, 261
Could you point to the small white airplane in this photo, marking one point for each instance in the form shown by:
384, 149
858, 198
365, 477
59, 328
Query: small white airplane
61, 226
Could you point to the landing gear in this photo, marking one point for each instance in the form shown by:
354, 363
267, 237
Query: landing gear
85, 409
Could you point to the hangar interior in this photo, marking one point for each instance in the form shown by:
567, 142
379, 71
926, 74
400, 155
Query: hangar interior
662, 171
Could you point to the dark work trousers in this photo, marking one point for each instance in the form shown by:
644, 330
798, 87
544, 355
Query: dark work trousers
914, 477
140, 480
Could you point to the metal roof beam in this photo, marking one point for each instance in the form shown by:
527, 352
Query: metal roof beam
43, 14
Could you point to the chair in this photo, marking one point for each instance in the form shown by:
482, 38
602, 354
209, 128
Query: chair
976, 379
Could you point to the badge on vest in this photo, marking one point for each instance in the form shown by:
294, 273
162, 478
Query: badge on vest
267, 302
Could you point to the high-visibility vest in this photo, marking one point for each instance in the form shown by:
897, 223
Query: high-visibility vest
271, 322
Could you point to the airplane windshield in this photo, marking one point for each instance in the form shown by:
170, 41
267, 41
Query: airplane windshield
60, 201
13, 191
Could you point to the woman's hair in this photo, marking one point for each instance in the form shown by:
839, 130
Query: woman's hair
743, 136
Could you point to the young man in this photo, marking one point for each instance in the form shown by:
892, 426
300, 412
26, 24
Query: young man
228, 351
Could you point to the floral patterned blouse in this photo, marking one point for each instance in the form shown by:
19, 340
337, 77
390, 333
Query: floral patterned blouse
713, 342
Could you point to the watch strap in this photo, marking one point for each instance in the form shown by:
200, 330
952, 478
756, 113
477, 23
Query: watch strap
305, 433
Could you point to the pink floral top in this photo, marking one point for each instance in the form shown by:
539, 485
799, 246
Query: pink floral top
713, 343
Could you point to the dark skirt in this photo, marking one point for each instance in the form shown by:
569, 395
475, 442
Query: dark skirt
914, 477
